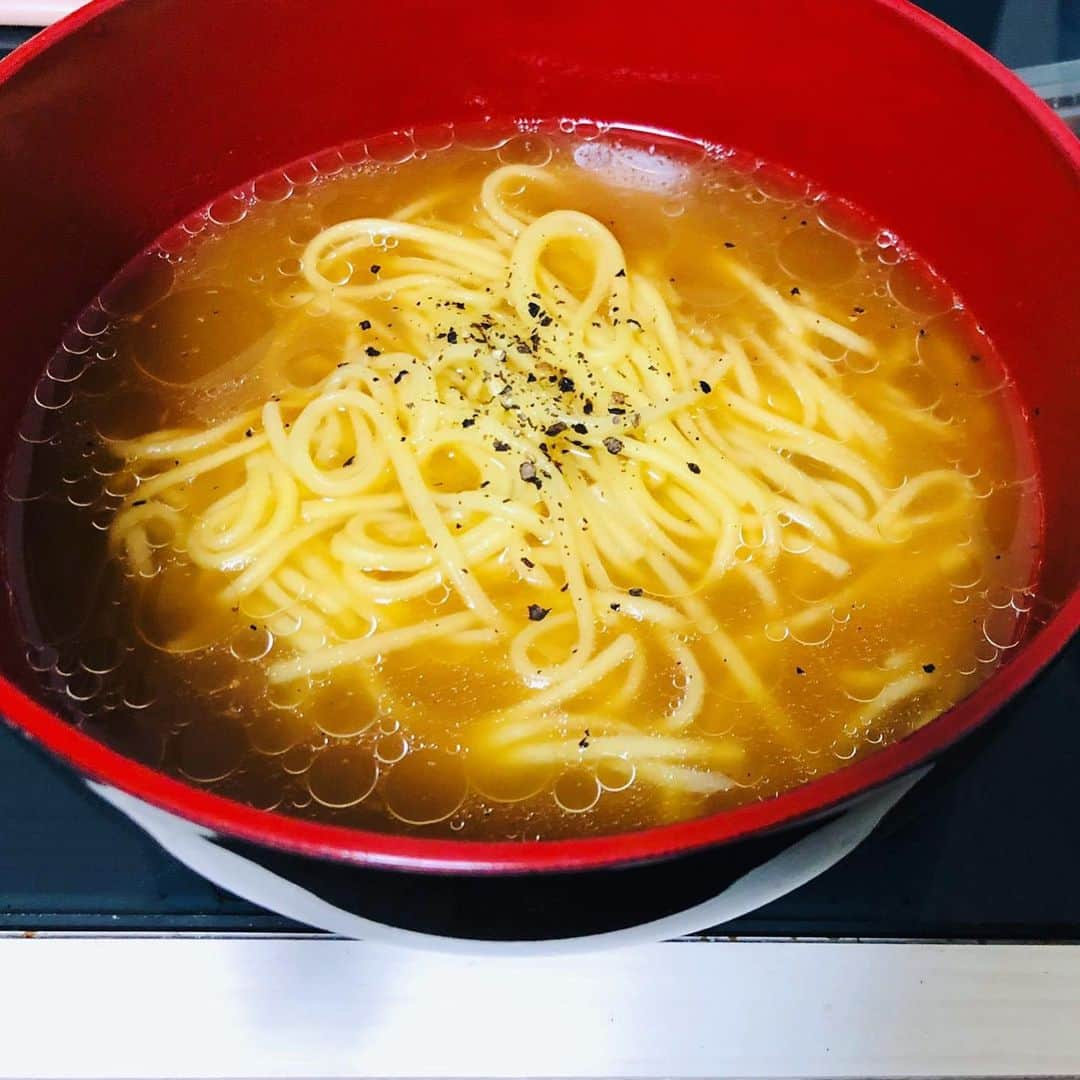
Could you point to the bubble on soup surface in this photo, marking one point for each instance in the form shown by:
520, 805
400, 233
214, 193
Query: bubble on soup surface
919, 289
172, 614
434, 137
817, 256
229, 209
340, 710
272, 188
303, 172
342, 776
273, 732
614, 773
210, 748
259, 785
50, 394
253, 642
298, 759
425, 787
503, 781
65, 367
391, 149
101, 655
532, 150
577, 790
781, 185
391, 747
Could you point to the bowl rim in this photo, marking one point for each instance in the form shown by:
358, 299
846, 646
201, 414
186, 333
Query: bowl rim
395, 851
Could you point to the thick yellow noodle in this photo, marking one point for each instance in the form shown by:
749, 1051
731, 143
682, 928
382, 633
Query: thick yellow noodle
602, 449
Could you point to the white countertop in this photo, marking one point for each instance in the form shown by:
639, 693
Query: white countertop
144, 1007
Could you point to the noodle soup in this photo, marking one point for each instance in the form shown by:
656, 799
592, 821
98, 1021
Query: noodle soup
556, 483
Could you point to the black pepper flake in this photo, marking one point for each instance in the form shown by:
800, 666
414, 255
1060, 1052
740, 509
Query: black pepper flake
728, 244
613, 445
399, 376
588, 408
581, 429
622, 272
527, 472
633, 322
616, 410
705, 387
566, 385
139, 502
528, 562
975, 358
614, 607
530, 377
249, 433
348, 461
451, 337
538, 613
859, 310
372, 351
929, 668
252, 626
694, 467
468, 421
365, 324
636, 592
583, 742
555, 429
375, 268
533, 309
545, 320
565, 587
501, 446
800, 671
795, 290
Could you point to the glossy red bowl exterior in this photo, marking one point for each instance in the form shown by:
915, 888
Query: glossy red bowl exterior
126, 116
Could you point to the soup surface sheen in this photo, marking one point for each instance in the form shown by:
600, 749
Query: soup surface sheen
525, 485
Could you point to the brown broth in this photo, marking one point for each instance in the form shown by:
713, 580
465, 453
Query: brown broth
185, 337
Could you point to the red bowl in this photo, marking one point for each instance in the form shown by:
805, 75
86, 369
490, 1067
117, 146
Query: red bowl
121, 119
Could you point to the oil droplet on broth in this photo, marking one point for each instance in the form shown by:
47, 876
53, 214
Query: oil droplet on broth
211, 747
502, 782
577, 790
425, 787
818, 257
614, 773
274, 732
342, 776
391, 747
913, 285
